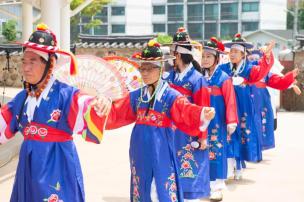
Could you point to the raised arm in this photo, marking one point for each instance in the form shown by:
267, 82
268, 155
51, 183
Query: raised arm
83, 120
261, 70
264, 65
282, 82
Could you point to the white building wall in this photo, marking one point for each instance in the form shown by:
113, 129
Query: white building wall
138, 17
159, 2
273, 14
260, 39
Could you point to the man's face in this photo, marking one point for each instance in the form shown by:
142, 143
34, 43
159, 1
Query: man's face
149, 72
32, 67
236, 55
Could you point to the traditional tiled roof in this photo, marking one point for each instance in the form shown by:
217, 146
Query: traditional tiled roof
89, 41
12, 49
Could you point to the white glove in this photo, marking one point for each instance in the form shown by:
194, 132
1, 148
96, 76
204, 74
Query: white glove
231, 128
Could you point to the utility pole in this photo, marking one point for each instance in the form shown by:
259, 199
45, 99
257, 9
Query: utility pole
295, 22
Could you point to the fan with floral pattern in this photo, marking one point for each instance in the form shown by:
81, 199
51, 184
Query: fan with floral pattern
128, 70
95, 76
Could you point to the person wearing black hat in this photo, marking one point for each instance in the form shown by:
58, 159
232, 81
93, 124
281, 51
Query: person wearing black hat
185, 76
222, 97
155, 108
262, 99
248, 144
47, 113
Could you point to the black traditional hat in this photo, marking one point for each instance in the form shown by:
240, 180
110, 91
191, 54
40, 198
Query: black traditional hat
151, 53
238, 39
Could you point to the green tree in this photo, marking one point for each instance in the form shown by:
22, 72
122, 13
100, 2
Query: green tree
164, 39
227, 38
290, 16
9, 30
91, 10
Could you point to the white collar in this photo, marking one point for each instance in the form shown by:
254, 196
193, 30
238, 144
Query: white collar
162, 86
180, 76
32, 102
207, 75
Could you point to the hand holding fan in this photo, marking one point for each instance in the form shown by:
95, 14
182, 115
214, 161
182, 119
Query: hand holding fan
95, 77
128, 70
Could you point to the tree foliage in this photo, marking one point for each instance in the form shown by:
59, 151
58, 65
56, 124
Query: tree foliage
290, 15
9, 30
89, 11
164, 39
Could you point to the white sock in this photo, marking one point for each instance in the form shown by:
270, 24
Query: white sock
153, 192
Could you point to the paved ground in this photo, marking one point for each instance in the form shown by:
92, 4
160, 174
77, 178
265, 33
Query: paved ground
279, 178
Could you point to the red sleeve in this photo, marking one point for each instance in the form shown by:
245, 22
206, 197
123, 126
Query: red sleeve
202, 98
121, 113
281, 82
7, 127
186, 116
230, 102
261, 70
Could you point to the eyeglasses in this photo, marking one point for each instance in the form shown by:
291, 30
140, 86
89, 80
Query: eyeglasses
147, 69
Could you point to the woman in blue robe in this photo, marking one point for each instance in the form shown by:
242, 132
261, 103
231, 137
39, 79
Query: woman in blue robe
262, 100
185, 77
247, 143
222, 97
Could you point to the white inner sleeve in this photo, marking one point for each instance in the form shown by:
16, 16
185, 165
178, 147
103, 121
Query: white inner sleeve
79, 123
3, 126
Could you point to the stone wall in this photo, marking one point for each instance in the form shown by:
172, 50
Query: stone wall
101, 52
13, 78
290, 101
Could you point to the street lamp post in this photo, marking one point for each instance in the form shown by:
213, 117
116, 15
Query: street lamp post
295, 22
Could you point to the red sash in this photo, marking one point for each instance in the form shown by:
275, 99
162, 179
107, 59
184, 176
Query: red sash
153, 118
260, 84
215, 91
43, 133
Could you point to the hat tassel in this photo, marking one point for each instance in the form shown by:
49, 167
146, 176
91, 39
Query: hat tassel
73, 64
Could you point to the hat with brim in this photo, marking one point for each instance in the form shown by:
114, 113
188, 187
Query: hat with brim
238, 40
152, 53
208, 48
44, 41
182, 38
214, 46
256, 52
